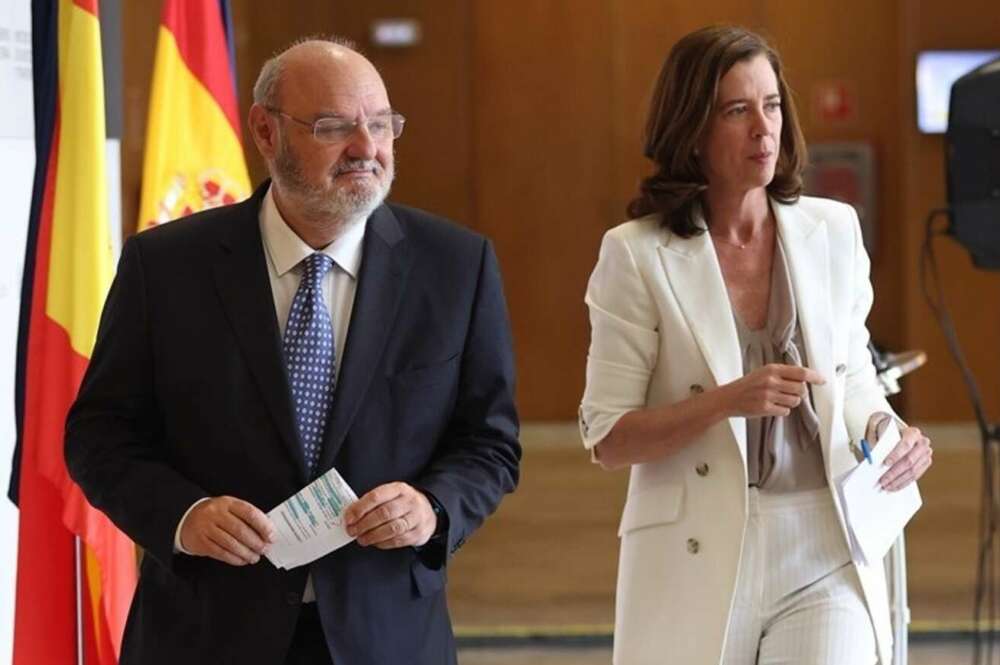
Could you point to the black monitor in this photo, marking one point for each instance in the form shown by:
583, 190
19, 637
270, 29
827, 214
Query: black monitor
973, 161
936, 71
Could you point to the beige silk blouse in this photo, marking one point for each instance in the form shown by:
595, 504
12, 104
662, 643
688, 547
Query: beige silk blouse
783, 453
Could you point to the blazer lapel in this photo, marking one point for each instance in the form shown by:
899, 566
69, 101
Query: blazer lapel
241, 278
804, 239
694, 275
381, 282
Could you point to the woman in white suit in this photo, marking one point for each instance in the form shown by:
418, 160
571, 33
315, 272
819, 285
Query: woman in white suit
729, 369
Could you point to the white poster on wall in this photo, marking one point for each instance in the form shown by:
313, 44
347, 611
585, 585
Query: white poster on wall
17, 165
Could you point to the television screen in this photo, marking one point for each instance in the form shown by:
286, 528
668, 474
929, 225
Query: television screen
936, 71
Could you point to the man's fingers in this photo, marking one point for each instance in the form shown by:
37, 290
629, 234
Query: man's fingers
221, 554
372, 500
243, 533
255, 519
408, 539
385, 513
239, 552
406, 519
398, 528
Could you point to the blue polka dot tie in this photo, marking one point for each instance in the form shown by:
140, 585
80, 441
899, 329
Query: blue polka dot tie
309, 354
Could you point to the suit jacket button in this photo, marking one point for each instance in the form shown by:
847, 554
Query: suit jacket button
293, 598
693, 546
696, 389
840, 369
702, 469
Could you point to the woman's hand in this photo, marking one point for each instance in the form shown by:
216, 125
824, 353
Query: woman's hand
909, 460
772, 390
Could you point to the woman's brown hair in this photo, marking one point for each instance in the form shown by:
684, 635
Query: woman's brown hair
679, 115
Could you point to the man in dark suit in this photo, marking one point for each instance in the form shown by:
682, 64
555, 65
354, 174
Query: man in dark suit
246, 350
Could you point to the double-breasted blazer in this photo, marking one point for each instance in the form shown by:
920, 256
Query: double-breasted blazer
186, 396
663, 328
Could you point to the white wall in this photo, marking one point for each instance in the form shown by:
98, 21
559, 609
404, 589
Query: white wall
17, 159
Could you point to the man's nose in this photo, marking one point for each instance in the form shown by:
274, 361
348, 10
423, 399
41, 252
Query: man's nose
361, 144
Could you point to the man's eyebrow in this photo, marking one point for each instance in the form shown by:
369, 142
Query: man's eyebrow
340, 116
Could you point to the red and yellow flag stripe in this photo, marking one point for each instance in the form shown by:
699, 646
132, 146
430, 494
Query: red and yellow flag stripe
68, 270
194, 157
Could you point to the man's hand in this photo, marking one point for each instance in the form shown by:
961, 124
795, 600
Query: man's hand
390, 516
228, 530
909, 460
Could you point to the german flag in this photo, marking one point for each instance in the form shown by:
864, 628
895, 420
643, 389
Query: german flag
194, 157
76, 572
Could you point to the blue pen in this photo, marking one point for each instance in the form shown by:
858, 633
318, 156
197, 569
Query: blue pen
867, 450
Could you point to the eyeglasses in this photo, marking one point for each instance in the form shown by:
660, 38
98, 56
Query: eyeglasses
332, 129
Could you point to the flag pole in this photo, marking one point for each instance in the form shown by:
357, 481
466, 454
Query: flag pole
79, 600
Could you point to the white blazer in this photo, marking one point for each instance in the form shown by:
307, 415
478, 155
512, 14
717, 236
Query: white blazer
662, 328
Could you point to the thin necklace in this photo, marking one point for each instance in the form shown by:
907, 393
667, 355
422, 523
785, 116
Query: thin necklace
737, 245
730, 242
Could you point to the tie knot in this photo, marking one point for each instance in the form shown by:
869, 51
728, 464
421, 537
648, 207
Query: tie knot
316, 265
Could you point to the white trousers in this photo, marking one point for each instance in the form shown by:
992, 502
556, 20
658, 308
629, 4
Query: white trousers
798, 599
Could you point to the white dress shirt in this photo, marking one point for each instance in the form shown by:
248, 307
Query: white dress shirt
284, 252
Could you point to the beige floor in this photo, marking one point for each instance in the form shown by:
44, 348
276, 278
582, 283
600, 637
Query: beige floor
947, 653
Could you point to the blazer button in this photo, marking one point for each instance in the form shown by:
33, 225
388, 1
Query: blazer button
840, 369
701, 469
696, 389
293, 598
693, 546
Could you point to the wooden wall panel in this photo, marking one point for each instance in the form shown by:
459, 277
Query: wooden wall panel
525, 123
817, 43
140, 24
260, 29
823, 42
644, 32
936, 392
431, 85
542, 108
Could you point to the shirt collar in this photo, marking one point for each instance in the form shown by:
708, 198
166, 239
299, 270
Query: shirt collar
287, 249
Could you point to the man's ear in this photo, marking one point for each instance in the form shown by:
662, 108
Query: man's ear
264, 131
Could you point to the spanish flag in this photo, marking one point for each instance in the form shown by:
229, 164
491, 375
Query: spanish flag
194, 158
76, 572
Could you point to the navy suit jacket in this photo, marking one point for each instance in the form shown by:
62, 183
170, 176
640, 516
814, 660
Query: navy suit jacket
186, 396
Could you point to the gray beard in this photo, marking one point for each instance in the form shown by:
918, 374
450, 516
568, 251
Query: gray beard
343, 207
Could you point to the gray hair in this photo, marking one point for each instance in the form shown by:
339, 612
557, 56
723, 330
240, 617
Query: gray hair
265, 90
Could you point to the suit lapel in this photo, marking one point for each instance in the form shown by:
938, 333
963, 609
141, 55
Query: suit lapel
384, 265
694, 275
804, 239
241, 278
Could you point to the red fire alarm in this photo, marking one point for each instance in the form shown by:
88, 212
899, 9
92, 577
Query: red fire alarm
834, 102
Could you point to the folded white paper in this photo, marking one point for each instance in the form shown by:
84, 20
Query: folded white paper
875, 517
309, 523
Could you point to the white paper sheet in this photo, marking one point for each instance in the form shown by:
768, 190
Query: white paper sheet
875, 517
309, 523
